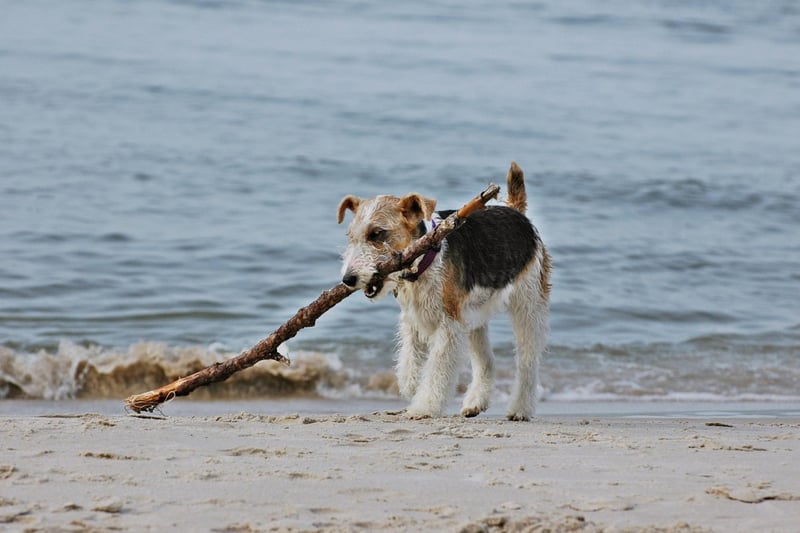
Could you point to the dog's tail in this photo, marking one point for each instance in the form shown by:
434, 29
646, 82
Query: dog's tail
517, 198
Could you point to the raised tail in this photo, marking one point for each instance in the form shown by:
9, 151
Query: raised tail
517, 198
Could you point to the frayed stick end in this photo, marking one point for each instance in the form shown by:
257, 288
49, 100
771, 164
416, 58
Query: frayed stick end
479, 202
147, 401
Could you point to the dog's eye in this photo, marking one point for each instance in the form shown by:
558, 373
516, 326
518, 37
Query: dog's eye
377, 235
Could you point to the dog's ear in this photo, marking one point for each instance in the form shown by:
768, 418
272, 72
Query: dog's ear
416, 207
348, 202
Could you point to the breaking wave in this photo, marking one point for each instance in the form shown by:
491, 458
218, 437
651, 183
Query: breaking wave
74, 371
711, 368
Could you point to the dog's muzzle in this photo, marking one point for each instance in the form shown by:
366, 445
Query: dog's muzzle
371, 289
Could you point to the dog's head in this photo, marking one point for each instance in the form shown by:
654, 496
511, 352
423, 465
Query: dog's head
381, 226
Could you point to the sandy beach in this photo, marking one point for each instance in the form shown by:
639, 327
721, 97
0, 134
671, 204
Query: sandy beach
379, 471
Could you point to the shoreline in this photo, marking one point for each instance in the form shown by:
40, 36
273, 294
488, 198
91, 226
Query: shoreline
315, 405
246, 471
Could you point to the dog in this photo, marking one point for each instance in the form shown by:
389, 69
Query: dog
495, 261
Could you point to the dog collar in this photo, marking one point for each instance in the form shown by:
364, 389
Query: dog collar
427, 261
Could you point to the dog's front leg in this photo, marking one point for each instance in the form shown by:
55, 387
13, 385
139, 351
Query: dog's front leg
438, 375
410, 358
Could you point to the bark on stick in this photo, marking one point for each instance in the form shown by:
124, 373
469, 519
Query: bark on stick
305, 317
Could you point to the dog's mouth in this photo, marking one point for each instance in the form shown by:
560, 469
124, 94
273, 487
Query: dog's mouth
374, 286
372, 289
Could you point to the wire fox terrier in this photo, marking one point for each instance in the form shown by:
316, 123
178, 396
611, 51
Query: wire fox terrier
496, 261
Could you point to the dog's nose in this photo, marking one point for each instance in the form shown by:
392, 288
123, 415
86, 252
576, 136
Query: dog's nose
350, 279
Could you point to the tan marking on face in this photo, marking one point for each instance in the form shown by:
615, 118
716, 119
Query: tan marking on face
381, 224
387, 220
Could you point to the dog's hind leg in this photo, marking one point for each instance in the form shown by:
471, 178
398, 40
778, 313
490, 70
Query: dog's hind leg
529, 318
438, 375
476, 400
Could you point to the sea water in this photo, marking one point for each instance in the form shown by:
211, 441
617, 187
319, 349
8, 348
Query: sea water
170, 172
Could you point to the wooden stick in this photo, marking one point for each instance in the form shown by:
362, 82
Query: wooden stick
305, 317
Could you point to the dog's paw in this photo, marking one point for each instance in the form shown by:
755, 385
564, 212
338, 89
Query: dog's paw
521, 410
420, 413
470, 412
518, 417
474, 404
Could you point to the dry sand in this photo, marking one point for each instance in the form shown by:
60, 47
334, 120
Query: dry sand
377, 472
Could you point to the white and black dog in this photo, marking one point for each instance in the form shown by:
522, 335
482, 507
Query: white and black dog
495, 261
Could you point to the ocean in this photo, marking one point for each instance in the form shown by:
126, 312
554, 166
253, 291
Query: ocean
170, 172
